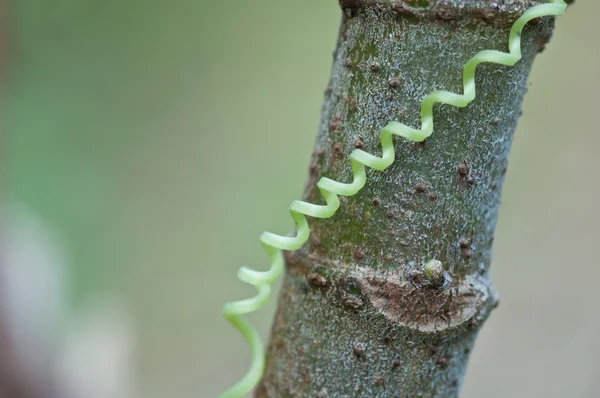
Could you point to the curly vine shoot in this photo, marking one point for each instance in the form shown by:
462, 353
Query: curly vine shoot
274, 245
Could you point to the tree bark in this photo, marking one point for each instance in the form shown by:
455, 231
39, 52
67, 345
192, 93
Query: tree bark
359, 314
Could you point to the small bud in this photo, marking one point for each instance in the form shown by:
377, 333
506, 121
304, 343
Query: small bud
434, 272
434, 269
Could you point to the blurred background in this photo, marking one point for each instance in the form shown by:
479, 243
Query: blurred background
146, 146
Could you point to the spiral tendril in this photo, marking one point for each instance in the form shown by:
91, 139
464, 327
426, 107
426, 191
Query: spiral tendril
330, 189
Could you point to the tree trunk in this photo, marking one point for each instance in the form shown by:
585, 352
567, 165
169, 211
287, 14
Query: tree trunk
359, 313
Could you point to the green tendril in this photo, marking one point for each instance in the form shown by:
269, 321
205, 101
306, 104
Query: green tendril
330, 189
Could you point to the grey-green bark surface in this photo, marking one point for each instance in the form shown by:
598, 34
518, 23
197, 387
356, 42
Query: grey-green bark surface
357, 316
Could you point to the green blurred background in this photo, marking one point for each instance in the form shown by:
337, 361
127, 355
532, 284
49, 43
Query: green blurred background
157, 140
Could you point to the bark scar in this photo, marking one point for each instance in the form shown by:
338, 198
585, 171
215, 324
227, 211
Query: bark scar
421, 308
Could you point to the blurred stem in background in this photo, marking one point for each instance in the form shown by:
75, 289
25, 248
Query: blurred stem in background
68, 130
71, 115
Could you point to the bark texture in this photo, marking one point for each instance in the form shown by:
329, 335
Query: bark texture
358, 315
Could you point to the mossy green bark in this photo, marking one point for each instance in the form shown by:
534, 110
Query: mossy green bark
358, 316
